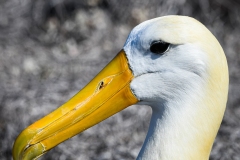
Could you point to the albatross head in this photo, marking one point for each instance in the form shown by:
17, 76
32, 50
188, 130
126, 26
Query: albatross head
180, 70
173, 64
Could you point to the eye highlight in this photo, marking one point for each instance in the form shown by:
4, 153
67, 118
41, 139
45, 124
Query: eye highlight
159, 47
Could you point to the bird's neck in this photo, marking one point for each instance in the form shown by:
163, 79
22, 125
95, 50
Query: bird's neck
181, 130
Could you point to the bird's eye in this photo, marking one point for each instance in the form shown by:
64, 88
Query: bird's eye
159, 47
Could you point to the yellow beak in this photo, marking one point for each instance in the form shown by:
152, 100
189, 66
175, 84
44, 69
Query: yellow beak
108, 93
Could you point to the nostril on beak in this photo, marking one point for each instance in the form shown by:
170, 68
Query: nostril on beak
101, 85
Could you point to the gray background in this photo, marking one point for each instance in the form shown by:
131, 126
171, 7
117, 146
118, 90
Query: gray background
49, 49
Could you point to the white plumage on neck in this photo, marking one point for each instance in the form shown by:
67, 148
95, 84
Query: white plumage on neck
186, 87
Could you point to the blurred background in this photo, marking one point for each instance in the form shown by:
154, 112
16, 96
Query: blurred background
50, 49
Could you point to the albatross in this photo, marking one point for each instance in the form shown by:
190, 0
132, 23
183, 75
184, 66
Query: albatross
173, 64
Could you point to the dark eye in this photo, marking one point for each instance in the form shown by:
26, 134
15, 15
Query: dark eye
159, 47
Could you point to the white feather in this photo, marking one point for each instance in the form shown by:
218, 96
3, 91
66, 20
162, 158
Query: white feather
177, 85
